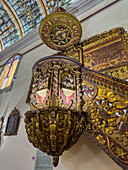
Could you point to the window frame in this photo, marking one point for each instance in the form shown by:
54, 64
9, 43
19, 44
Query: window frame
6, 89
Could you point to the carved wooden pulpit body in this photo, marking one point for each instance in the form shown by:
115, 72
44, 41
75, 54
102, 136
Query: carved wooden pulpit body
56, 120
65, 98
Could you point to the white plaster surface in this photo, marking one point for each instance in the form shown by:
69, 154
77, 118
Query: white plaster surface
85, 155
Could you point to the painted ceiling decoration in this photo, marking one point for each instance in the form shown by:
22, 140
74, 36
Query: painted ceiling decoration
18, 17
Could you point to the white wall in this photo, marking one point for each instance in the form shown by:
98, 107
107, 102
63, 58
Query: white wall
112, 17
16, 152
85, 155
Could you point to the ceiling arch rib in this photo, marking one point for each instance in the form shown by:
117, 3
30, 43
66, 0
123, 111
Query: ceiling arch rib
1, 45
43, 7
46, 6
14, 17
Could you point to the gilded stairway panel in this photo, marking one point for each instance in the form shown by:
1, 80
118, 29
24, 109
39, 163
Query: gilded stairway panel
107, 113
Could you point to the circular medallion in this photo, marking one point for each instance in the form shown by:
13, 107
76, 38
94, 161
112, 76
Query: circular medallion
60, 30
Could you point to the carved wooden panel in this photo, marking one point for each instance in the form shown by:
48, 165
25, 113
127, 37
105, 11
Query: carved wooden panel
13, 123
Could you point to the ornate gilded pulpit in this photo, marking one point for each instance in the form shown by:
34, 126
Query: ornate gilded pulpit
67, 96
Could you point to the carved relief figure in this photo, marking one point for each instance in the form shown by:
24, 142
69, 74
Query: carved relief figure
67, 80
88, 60
43, 81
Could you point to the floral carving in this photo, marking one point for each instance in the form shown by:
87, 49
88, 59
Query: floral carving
120, 152
100, 139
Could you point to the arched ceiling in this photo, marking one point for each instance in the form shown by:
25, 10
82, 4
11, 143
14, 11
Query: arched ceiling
18, 17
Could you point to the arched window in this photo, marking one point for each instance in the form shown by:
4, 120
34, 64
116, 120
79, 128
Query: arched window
8, 73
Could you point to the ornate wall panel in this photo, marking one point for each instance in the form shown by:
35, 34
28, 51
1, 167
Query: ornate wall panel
106, 52
106, 49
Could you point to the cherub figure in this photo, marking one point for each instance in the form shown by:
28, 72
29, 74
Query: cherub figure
68, 81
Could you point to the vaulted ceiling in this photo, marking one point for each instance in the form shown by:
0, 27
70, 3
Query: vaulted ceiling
18, 17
